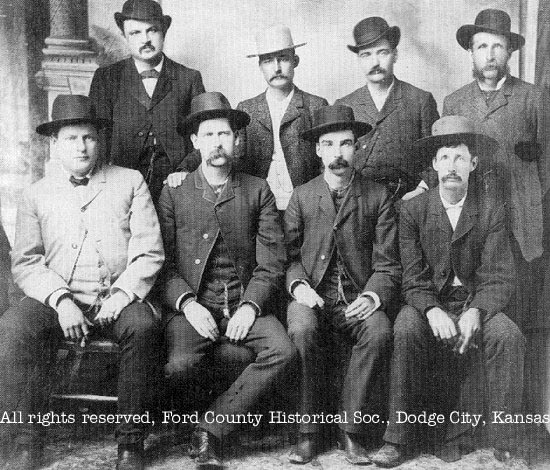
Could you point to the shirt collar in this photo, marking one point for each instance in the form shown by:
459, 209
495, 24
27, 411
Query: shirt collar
499, 84
448, 205
141, 67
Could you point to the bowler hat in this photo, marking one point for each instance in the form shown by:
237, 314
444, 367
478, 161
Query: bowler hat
489, 21
334, 118
372, 29
142, 10
212, 105
68, 110
275, 38
455, 130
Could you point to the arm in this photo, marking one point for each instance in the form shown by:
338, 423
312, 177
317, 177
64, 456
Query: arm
101, 96
543, 138
428, 116
294, 239
4, 270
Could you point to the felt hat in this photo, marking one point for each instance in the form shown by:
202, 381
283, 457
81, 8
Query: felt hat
142, 10
372, 29
334, 118
273, 39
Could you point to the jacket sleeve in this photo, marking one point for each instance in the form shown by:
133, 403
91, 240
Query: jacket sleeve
197, 87
101, 95
5, 272
428, 116
243, 164
294, 239
543, 139
145, 250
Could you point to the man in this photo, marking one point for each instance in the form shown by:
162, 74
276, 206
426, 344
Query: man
225, 263
87, 251
458, 277
516, 114
271, 146
398, 112
344, 273
145, 96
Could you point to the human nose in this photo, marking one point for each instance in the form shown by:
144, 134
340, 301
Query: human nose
81, 145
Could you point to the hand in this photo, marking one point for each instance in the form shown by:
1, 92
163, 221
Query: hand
442, 326
175, 179
72, 321
415, 192
362, 307
111, 308
469, 324
307, 296
202, 320
240, 323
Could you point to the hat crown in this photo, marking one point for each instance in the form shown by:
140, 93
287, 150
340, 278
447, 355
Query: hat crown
491, 18
449, 125
275, 38
336, 114
209, 101
369, 29
74, 107
142, 9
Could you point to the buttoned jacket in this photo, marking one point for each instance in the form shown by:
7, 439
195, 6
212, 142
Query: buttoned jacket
117, 215
244, 215
118, 93
477, 251
386, 151
364, 231
519, 113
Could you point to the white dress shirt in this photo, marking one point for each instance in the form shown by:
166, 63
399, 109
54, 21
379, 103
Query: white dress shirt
149, 83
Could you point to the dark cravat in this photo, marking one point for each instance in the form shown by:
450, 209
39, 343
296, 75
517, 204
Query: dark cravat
150, 74
79, 181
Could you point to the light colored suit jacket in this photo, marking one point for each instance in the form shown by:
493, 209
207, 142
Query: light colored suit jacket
118, 214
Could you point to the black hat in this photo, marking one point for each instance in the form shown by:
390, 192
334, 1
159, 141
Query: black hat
372, 29
142, 10
71, 109
489, 21
212, 105
334, 118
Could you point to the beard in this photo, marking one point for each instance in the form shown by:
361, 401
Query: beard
502, 71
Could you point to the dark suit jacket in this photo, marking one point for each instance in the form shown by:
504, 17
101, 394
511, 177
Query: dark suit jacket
520, 112
478, 251
386, 151
5, 271
245, 215
364, 231
118, 93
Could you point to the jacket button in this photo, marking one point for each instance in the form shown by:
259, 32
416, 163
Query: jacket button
74, 246
205, 236
151, 134
443, 272
365, 146
323, 256
140, 133
197, 261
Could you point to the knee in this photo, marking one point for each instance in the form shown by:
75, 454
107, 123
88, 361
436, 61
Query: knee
302, 323
506, 337
139, 322
409, 327
182, 367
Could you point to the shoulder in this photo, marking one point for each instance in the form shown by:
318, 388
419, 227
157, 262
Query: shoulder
523, 87
252, 182
111, 70
352, 97
123, 176
419, 205
309, 188
252, 102
413, 91
460, 94
181, 70
314, 100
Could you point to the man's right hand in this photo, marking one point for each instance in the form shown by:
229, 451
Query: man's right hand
175, 179
307, 296
202, 320
443, 327
74, 324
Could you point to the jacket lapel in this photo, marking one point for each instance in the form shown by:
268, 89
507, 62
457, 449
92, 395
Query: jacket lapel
228, 191
350, 203
96, 186
131, 80
326, 205
467, 219
501, 98
368, 105
392, 101
293, 109
164, 83
438, 215
264, 116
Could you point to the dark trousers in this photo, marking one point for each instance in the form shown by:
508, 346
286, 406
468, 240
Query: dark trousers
187, 350
29, 337
426, 376
369, 358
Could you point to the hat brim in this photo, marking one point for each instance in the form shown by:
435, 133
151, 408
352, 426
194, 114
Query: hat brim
166, 20
239, 119
359, 128
465, 33
392, 34
479, 145
49, 128
258, 54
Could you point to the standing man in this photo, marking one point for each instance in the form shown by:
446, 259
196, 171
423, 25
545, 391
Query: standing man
398, 112
344, 274
458, 277
271, 146
225, 264
517, 115
145, 96
87, 252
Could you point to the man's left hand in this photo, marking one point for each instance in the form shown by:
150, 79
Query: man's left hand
111, 308
362, 307
469, 325
240, 323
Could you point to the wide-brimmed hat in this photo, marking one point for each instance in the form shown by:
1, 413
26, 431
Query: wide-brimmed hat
212, 105
455, 130
273, 39
334, 118
489, 21
372, 29
142, 10
68, 110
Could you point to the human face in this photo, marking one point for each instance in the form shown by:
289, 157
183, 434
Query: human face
77, 148
377, 61
490, 54
145, 40
453, 166
278, 69
216, 142
336, 150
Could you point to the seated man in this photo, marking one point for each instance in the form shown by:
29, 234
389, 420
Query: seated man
458, 276
225, 262
344, 273
87, 251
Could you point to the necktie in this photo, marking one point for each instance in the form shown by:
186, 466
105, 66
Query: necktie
150, 74
79, 181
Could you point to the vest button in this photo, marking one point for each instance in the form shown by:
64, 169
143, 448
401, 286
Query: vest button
205, 236
140, 133
74, 246
323, 257
197, 261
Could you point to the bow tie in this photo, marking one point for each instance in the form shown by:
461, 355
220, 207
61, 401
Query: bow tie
150, 74
79, 181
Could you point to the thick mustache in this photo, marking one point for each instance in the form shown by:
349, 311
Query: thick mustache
452, 177
377, 69
217, 154
338, 163
279, 75
147, 46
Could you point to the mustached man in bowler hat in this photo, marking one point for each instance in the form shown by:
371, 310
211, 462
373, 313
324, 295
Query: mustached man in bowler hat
87, 251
